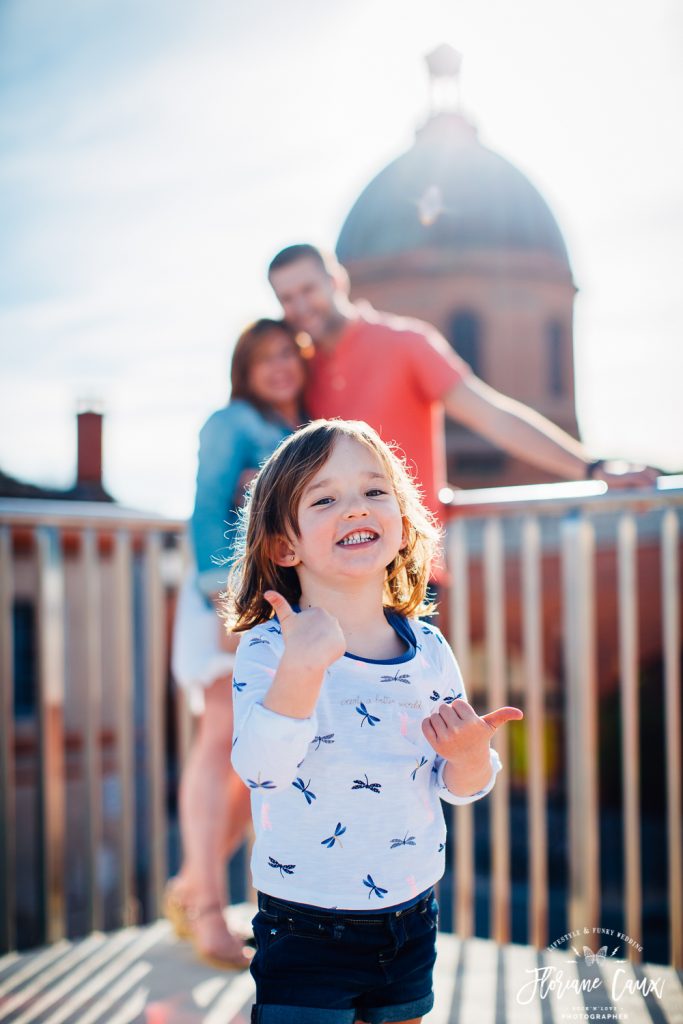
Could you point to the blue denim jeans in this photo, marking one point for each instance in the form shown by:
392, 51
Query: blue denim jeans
314, 966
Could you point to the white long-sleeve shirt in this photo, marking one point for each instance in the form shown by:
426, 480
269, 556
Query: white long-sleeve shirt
347, 803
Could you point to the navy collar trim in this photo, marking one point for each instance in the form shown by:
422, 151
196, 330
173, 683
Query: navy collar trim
401, 626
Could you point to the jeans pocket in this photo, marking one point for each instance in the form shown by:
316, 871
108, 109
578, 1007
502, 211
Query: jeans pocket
429, 914
310, 926
268, 929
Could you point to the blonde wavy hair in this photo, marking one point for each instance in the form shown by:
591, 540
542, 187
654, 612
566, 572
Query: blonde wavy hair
270, 511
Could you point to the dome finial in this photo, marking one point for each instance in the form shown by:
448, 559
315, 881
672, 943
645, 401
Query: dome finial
444, 65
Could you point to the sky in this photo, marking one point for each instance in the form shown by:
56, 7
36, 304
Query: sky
154, 156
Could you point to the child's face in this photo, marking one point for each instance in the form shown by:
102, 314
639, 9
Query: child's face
350, 494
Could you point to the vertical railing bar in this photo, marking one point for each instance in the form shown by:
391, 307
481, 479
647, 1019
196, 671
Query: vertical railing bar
535, 721
462, 817
155, 682
630, 747
495, 663
7, 773
51, 728
578, 553
124, 673
672, 717
93, 724
184, 718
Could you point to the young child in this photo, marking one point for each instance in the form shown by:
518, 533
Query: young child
351, 725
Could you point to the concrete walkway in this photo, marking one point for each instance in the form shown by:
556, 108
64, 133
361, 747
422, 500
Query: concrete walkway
146, 976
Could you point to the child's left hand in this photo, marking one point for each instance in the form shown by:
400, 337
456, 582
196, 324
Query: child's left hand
457, 732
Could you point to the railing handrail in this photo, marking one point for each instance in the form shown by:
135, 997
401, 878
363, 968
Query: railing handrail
559, 498
75, 514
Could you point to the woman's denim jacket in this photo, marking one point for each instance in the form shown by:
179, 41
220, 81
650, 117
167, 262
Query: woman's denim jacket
233, 439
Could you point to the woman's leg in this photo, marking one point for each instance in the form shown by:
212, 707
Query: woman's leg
207, 781
238, 816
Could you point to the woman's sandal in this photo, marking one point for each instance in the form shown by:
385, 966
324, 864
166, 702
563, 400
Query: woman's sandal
176, 911
235, 963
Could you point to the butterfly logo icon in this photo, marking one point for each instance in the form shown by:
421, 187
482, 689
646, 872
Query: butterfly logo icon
594, 958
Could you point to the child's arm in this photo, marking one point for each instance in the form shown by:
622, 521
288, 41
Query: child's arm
275, 697
466, 763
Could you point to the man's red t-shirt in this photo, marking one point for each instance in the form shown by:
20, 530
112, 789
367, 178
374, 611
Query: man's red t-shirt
391, 372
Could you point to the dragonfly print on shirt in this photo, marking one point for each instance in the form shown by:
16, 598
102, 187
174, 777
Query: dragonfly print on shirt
374, 787
431, 632
418, 764
366, 716
334, 839
284, 869
304, 787
256, 640
260, 785
238, 687
375, 889
406, 841
329, 738
398, 677
447, 700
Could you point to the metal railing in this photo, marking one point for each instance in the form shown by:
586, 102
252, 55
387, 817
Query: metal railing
103, 582
94, 576
564, 526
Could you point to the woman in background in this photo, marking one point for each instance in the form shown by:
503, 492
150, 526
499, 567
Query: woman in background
268, 374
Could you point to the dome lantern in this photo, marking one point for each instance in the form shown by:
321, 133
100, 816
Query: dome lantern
444, 65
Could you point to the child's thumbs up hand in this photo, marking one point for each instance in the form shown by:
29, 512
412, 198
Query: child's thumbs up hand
462, 737
502, 715
313, 637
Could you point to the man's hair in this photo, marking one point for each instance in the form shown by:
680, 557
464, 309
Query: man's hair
303, 251
271, 511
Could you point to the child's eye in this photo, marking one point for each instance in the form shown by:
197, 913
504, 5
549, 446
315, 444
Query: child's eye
374, 490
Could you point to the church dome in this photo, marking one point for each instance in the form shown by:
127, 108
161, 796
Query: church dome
450, 192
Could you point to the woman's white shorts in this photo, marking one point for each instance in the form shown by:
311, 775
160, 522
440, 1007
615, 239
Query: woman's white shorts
196, 657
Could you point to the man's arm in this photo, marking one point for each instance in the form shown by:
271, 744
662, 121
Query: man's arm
522, 431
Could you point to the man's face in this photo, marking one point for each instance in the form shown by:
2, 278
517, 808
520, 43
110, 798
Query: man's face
306, 293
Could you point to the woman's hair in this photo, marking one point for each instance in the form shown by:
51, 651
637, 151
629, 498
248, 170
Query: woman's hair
270, 511
245, 349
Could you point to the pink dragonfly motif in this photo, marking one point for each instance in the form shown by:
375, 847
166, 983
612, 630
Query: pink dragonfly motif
410, 880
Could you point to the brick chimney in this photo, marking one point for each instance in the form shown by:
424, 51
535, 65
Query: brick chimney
89, 486
89, 448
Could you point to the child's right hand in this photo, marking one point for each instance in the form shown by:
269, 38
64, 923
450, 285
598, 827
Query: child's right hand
313, 637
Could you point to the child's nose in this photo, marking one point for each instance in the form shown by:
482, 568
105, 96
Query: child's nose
356, 506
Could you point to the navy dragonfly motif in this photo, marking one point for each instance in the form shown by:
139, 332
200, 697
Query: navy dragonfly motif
406, 841
284, 869
303, 786
323, 739
366, 716
261, 785
275, 629
447, 700
442, 847
418, 764
238, 687
331, 840
398, 677
374, 787
255, 640
428, 631
374, 888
